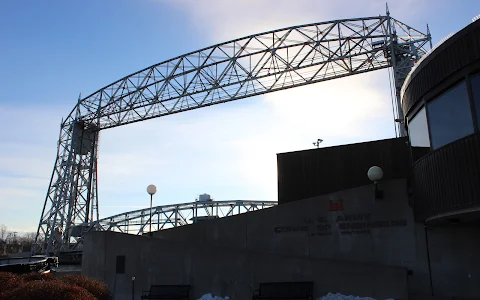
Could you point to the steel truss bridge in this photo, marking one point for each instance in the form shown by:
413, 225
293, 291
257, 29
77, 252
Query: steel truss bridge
173, 215
244, 67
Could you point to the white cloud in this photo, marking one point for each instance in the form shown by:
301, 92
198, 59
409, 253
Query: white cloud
229, 19
222, 20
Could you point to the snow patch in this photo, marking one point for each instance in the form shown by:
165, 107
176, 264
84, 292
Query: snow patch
339, 296
209, 296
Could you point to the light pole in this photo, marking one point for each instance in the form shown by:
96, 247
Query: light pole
317, 143
133, 288
151, 189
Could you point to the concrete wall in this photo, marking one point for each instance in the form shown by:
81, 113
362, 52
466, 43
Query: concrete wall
360, 231
455, 259
419, 280
310, 228
309, 173
226, 271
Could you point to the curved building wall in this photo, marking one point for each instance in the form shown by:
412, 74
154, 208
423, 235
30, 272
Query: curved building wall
441, 102
447, 181
454, 59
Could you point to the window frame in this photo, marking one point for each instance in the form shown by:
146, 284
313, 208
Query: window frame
468, 78
422, 104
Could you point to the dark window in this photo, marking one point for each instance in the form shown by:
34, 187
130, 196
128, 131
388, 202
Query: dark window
120, 267
476, 95
449, 116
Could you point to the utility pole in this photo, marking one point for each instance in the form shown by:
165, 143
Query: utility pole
317, 143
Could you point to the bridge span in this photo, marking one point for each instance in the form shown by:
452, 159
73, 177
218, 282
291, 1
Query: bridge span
171, 215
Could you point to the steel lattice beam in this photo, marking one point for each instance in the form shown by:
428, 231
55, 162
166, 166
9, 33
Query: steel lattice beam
174, 215
245, 67
253, 65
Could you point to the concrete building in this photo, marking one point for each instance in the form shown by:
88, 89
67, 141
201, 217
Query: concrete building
417, 240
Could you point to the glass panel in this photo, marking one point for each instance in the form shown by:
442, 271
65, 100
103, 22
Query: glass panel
476, 95
449, 116
418, 130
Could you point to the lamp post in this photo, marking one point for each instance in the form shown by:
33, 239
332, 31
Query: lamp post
317, 143
133, 288
151, 189
375, 174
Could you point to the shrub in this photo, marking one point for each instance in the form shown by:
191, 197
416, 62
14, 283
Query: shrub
9, 281
95, 287
48, 290
47, 286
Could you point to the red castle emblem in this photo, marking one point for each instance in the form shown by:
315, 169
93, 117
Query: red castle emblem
335, 205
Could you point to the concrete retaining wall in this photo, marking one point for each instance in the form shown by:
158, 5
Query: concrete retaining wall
310, 228
347, 232
226, 272
313, 228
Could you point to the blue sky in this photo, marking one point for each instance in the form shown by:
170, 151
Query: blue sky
50, 51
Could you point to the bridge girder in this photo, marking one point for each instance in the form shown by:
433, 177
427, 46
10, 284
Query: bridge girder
174, 215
